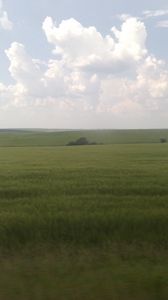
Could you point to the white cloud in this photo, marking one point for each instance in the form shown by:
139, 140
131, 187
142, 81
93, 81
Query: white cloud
73, 41
99, 75
162, 24
113, 53
153, 78
123, 17
155, 13
5, 23
131, 39
22, 68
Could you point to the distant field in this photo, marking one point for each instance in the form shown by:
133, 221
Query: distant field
61, 138
84, 222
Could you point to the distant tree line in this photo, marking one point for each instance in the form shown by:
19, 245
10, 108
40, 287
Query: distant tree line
84, 141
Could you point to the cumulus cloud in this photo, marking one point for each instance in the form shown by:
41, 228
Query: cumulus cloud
5, 23
22, 68
113, 74
76, 44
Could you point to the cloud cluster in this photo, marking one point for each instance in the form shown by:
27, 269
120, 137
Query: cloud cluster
88, 72
86, 47
5, 23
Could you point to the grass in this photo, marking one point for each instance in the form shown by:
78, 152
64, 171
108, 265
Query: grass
84, 222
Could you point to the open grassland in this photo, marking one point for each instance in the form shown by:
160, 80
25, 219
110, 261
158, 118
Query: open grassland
84, 222
61, 138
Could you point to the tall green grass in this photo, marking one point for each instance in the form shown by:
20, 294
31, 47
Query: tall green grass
84, 222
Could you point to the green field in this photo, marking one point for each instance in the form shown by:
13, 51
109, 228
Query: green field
85, 222
61, 138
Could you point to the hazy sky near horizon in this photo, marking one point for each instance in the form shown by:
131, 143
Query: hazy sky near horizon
83, 64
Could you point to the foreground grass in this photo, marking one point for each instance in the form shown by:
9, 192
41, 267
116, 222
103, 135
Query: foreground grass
84, 223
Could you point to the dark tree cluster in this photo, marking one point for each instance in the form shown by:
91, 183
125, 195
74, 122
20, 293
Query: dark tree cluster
80, 141
163, 140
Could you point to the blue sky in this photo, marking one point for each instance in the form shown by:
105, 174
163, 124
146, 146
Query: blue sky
84, 64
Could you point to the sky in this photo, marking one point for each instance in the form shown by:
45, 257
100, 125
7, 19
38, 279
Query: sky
84, 64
